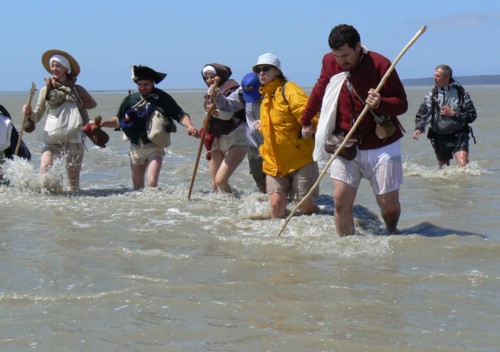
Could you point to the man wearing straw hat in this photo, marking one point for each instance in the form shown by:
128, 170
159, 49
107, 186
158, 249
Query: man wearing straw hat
352, 73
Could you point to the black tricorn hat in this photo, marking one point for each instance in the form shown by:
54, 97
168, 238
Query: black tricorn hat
145, 73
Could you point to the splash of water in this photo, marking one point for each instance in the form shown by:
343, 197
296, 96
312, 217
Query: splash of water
412, 169
21, 176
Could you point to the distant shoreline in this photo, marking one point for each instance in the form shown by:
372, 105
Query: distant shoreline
481, 80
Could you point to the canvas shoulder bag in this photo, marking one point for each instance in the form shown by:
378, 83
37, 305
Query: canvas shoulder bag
64, 124
156, 128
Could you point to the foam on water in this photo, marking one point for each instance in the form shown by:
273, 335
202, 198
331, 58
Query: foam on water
242, 219
21, 176
472, 169
69, 298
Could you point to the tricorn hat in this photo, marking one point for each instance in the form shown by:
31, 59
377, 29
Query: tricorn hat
145, 73
75, 67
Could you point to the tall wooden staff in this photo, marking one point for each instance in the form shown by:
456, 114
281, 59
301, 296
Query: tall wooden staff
358, 121
203, 134
20, 138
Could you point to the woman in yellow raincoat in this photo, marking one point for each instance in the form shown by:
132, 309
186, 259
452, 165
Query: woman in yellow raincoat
288, 158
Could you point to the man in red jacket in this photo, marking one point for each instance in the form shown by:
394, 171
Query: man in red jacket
376, 148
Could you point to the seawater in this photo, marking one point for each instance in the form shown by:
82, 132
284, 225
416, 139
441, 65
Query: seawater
110, 269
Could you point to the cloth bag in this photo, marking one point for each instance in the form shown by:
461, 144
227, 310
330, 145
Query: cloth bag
157, 130
64, 124
348, 152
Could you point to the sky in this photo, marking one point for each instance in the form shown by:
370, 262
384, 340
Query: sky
179, 37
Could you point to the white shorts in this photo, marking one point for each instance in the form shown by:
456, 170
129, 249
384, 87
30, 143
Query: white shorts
382, 167
141, 154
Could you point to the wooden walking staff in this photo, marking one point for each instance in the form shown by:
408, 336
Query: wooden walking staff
20, 139
358, 121
208, 116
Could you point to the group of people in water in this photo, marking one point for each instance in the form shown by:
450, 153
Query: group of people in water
281, 130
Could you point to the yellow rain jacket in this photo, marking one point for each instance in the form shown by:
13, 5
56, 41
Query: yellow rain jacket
280, 115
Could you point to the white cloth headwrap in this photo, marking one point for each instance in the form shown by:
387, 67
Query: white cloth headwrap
209, 69
62, 60
328, 116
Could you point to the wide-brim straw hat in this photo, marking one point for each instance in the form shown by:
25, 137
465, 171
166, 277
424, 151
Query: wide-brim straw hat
75, 67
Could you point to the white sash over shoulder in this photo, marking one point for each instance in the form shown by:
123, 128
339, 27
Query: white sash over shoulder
328, 114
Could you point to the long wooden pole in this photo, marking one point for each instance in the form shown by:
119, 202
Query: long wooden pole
20, 138
208, 116
358, 121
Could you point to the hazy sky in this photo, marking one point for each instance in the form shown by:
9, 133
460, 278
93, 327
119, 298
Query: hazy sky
179, 37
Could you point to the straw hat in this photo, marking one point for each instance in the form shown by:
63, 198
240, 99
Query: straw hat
75, 67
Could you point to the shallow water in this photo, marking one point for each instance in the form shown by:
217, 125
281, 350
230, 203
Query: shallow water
109, 269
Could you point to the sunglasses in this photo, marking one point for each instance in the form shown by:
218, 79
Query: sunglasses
259, 69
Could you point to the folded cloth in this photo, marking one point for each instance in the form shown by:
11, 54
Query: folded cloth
95, 133
327, 117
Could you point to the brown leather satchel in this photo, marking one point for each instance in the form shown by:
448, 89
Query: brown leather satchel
349, 150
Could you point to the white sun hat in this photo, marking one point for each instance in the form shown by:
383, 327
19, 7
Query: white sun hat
268, 59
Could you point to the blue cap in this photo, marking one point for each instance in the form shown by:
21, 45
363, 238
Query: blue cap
250, 86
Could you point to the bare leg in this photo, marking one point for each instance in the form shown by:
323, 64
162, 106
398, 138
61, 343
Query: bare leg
343, 197
231, 161
73, 170
308, 207
47, 180
442, 163
138, 174
390, 209
278, 201
462, 158
213, 167
46, 161
154, 168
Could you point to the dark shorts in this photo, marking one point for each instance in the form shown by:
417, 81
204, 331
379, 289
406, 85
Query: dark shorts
446, 145
255, 164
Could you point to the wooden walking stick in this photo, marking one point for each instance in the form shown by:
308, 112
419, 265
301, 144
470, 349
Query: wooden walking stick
20, 138
358, 121
208, 116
